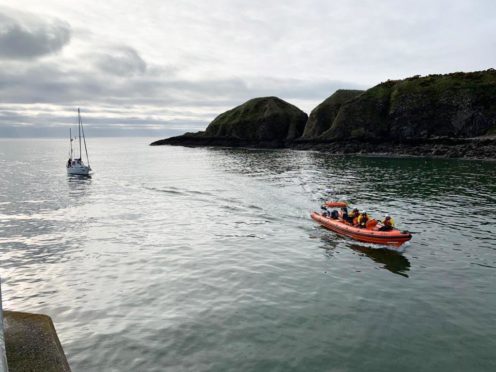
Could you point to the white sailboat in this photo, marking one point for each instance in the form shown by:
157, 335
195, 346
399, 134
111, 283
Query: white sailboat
75, 165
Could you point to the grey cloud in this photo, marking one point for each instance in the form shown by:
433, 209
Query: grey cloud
15, 124
121, 61
24, 36
50, 83
173, 103
57, 132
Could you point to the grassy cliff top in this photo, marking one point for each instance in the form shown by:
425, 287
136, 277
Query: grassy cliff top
253, 110
259, 117
438, 83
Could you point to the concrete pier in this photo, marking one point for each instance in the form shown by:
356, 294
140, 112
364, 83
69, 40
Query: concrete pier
32, 344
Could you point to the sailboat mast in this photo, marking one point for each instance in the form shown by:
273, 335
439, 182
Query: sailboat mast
85, 148
70, 137
79, 125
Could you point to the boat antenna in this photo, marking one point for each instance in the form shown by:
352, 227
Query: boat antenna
84, 139
79, 126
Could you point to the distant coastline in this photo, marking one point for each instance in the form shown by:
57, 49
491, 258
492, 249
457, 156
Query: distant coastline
452, 116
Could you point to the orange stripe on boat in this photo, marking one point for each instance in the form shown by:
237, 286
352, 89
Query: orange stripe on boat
336, 204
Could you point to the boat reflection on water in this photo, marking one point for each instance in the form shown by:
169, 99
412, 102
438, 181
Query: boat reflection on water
76, 181
78, 178
392, 260
78, 185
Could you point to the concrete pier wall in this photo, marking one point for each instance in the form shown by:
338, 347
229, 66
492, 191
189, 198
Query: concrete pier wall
29, 342
3, 358
32, 343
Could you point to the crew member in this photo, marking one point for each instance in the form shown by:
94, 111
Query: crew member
362, 219
387, 224
344, 214
353, 216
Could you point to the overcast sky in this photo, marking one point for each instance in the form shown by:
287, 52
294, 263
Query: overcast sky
162, 67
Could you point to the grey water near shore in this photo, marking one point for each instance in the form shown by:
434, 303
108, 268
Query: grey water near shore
206, 259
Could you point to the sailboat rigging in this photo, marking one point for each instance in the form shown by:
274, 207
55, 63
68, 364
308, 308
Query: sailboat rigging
75, 165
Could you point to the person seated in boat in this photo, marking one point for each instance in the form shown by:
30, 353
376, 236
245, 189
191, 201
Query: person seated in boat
353, 217
387, 224
334, 214
344, 213
362, 219
325, 212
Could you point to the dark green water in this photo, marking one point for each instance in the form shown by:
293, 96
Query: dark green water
178, 259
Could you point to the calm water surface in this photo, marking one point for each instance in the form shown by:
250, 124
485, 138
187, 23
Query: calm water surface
180, 259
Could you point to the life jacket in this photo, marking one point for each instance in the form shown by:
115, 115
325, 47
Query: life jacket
389, 223
362, 220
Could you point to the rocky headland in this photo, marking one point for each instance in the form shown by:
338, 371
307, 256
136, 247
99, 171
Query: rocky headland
266, 122
452, 115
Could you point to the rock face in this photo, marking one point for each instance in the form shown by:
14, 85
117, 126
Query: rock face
322, 117
458, 105
435, 115
260, 122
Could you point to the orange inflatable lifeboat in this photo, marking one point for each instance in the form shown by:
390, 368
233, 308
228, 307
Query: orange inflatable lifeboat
370, 234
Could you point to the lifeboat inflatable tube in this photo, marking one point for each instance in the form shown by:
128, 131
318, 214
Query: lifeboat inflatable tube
368, 235
336, 204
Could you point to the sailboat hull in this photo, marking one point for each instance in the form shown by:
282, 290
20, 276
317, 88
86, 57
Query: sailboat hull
80, 170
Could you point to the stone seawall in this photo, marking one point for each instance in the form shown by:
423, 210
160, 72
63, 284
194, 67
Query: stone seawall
29, 342
32, 343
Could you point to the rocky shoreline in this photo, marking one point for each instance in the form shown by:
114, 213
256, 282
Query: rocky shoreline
476, 148
453, 148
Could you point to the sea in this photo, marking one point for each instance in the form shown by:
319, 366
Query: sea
206, 259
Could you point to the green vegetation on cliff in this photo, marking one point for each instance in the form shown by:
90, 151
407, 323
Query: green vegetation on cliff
259, 122
455, 105
260, 119
322, 117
